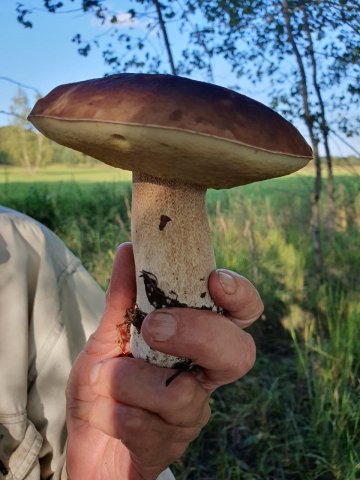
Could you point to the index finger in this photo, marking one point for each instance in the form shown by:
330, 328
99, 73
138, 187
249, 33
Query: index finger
224, 351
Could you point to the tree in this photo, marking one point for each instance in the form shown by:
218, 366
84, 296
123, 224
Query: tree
123, 47
8, 137
299, 45
307, 50
309, 121
30, 149
250, 35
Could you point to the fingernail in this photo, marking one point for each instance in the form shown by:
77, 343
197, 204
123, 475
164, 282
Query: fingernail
162, 326
94, 373
227, 281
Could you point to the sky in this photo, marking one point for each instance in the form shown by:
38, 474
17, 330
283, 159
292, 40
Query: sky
44, 57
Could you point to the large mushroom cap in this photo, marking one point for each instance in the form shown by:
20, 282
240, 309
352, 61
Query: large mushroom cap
174, 128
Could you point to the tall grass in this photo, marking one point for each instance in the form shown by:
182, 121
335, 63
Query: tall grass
296, 415
330, 366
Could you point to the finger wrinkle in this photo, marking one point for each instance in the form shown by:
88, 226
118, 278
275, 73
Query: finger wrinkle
246, 320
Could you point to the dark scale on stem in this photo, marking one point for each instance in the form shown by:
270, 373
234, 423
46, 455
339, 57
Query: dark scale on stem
164, 219
156, 296
129, 316
184, 366
158, 299
137, 318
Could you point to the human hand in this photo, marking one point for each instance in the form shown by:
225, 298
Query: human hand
123, 421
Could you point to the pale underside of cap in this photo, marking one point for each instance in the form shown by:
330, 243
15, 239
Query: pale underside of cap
170, 153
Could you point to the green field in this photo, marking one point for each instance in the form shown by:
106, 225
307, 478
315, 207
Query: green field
64, 173
296, 415
104, 173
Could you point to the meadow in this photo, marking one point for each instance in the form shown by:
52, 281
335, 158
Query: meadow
296, 415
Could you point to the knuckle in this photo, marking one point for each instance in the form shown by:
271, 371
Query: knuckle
206, 415
129, 426
250, 354
185, 392
131, 419
260, 307
203, 417
177, 450
119, 371
247, 359
120, 376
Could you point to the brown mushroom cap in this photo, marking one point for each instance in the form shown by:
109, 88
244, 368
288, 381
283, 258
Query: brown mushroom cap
174, 128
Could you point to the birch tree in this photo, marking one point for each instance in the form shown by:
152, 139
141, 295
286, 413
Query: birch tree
31, 150
305, 52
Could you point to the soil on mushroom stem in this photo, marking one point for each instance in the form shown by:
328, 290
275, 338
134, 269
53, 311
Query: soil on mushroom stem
297, 414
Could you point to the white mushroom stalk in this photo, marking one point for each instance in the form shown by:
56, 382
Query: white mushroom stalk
173, 254
181, 137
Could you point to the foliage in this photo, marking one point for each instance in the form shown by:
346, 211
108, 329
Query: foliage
250, 36
307, 51
296, 415
67, 156
21, 146
91, 222
17, 143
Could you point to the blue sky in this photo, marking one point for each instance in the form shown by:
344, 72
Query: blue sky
44, 57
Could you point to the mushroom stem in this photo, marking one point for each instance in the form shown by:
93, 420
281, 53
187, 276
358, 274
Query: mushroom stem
173, 254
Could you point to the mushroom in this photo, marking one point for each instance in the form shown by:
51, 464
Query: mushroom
178, 137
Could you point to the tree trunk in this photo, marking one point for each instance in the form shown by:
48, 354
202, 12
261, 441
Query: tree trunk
324, 128
315, 196
39, 150
24, 149
165, 35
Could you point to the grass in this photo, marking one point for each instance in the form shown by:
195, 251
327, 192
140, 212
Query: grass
297, 414
88, 173
103, 173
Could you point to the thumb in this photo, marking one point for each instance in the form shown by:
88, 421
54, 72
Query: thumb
110, 337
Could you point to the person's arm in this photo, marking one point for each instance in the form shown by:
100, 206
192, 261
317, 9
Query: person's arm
125, 421
49, 305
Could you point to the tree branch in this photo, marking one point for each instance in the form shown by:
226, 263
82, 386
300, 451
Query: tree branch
12, 114
23, 85
165, 35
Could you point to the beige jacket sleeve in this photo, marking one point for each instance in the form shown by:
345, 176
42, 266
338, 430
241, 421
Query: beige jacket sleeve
49, 305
